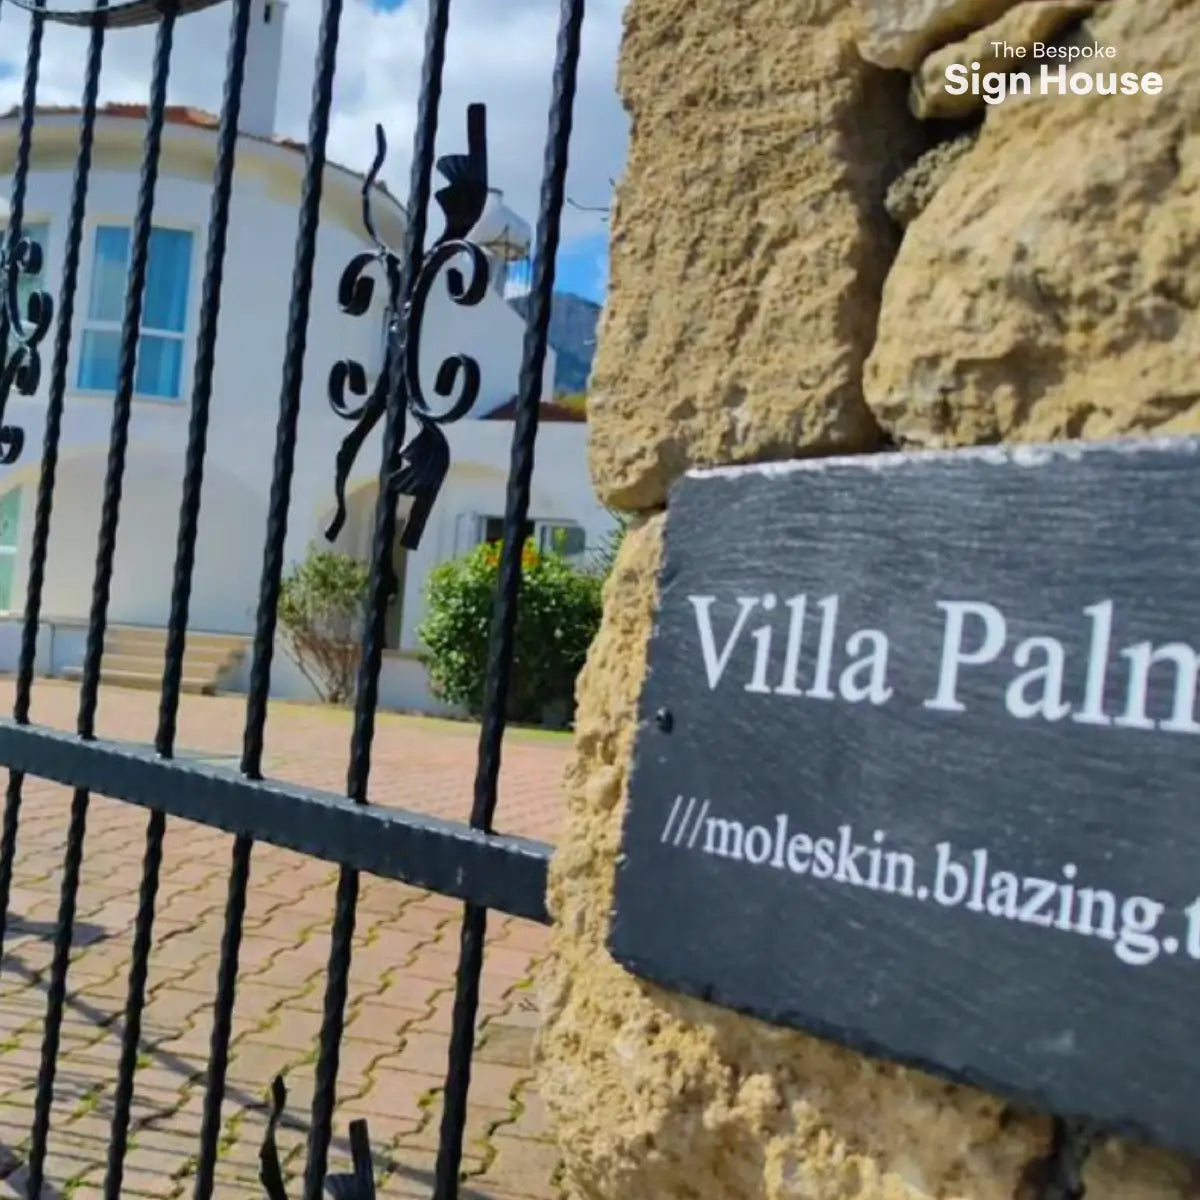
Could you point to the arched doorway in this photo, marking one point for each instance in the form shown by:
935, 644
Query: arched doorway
355, 540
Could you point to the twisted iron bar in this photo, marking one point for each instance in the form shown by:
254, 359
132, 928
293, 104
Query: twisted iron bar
358, 1184
421, 465
21, 364
1061, 1172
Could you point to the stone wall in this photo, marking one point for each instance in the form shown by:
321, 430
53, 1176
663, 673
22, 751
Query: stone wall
814, 252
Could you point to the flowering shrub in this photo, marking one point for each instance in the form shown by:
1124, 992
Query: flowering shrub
557, 617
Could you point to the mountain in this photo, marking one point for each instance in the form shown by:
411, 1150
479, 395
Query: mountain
572, 337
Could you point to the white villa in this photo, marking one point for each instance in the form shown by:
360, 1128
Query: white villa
244, 407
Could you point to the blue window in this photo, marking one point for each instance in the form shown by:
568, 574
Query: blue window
164, 313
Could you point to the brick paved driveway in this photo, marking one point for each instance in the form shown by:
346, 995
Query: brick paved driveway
401, 989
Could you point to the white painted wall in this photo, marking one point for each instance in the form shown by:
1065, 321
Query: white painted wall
250, 354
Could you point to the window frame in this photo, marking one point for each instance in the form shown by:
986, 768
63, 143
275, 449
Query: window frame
86, 324
541, 530
544, 533
13, 552
484, 519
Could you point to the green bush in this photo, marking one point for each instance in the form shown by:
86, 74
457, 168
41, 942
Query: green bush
321, 608
558, 615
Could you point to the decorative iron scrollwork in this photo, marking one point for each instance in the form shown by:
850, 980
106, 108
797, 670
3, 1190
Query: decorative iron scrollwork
125, 15
359, 1184
21, 364
422, 464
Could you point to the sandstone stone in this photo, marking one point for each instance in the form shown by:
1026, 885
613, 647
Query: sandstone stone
1024, 26
749, 241
1118, 1171
1042, 290
899, 33
658, 1096
1049, 289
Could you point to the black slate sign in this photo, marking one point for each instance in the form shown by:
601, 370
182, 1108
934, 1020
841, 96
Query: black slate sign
919, 767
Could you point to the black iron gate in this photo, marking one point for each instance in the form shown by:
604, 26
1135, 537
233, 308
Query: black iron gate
468, 861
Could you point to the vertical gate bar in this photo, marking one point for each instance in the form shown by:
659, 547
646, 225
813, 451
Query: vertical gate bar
272, 570
185, 553
202, 377
337, 980
525, 426
105, 553
89, 691
289, 400
33, 59
58, 368
504, 612
1071, 1145
218, 1054
367, 690
54, 410
16, 207
420, 186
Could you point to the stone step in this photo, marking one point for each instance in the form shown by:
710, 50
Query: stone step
133, 657
202, 664
223, 655
146, 680
138, 637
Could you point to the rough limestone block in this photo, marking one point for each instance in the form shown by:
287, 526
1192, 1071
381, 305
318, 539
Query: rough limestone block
1024, 26
899, 33
653, 1095
749, 241
1118, 1170
1050, 288
1052, 256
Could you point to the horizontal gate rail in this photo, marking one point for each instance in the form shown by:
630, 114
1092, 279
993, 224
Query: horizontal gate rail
498, 871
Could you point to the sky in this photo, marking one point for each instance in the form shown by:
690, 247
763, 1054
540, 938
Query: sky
500, 52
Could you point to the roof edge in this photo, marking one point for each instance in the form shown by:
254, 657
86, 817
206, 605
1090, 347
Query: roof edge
189, 117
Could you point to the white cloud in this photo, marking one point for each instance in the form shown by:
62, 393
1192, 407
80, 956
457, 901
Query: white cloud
499, 52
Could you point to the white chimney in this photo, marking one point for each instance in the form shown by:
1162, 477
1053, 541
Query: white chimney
264, 57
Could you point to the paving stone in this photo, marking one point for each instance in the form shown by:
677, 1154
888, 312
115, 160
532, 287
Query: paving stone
411, 1095
506, 1044
526, 1168
397, 1020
